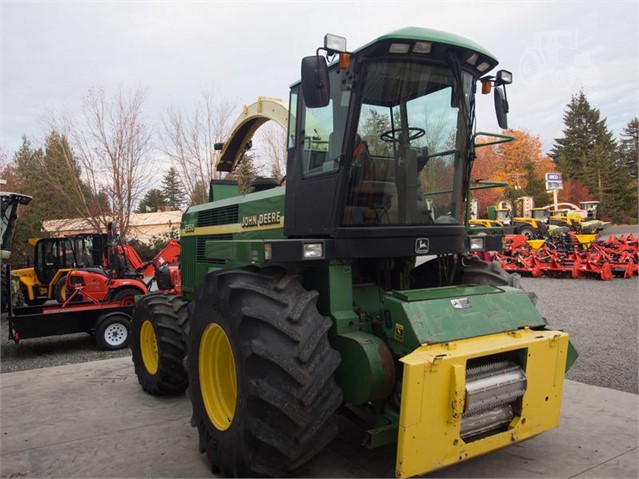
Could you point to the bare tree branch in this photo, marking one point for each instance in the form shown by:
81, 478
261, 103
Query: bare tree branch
272, 139
112, 147
188, 141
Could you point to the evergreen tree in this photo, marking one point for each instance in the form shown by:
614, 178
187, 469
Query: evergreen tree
173, 190
200, 193
535, 185
374, 125
154, 200
629, 147
245, 173
46, 175
25, 165
587, 153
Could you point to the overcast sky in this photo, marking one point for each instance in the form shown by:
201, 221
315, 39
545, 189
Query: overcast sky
54, 52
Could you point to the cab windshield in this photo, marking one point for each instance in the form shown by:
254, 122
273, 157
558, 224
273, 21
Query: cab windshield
407, 162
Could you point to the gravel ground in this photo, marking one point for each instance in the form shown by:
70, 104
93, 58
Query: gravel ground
53, 351
601, 317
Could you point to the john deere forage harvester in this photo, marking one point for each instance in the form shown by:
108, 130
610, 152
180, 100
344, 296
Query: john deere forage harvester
311, 297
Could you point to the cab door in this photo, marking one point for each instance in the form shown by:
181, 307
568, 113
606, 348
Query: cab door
50, 256
315, 160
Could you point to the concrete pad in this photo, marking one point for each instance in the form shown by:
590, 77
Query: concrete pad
93, 420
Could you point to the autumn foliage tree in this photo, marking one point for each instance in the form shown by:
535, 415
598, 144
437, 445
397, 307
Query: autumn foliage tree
519, 163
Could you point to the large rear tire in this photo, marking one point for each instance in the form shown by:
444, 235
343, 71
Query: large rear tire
126, 295
260, 373
158, 348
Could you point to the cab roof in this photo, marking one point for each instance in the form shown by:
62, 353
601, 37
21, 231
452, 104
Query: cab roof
419, 34
430, 35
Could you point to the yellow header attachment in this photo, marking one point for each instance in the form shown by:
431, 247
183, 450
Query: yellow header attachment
473, 396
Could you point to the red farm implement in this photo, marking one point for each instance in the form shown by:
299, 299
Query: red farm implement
571, 255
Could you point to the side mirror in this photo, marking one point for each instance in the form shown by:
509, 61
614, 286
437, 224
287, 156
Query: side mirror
501, 107
315, 82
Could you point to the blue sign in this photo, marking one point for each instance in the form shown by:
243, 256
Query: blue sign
553, 177
554, 181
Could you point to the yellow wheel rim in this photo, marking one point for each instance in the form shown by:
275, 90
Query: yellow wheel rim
149, 347
218, 380
63, 292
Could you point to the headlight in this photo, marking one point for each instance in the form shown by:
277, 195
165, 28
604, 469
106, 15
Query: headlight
477, 244
313, 250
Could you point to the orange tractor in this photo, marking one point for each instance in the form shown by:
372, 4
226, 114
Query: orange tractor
123, 275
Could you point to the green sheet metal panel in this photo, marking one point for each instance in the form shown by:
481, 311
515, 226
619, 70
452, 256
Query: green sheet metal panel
334, 283
446, 314
445, 292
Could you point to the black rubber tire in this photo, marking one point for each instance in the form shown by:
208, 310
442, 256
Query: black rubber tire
527, 231
4, 289
169, 317
60, 290
123, 294
286, 394
477, 271
113, 332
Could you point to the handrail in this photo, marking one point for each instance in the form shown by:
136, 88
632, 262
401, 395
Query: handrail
503, 138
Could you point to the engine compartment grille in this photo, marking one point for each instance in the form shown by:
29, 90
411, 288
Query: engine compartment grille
218, 216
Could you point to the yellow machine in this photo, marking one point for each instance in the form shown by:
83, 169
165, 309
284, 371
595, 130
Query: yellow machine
564, 217
47, 279
53, 259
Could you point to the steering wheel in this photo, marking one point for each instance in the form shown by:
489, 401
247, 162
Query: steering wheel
390, 137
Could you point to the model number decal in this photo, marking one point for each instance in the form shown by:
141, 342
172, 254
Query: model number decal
460, 303
272, 218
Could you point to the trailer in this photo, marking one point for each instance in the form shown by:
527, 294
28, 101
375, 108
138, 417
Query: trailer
110, 323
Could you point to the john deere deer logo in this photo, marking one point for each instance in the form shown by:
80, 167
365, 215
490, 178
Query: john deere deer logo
421, 245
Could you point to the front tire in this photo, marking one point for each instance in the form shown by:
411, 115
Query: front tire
260, 373
477, 271
528, 232
60, 292
158, 346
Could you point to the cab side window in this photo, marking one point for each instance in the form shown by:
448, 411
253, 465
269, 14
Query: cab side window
323, 132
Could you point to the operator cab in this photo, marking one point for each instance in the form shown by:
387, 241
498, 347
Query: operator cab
383, 141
